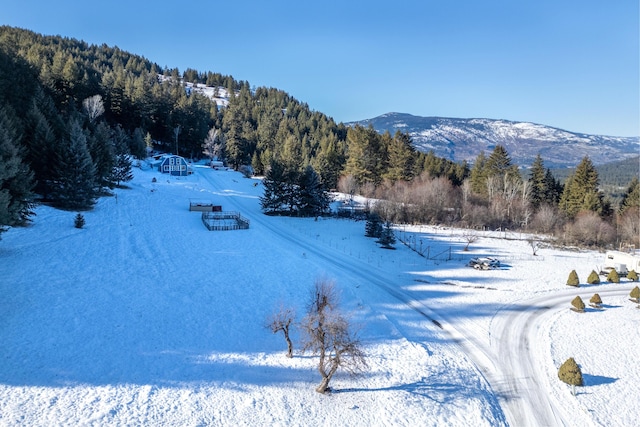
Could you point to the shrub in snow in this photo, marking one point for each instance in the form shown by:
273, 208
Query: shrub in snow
570, 373
593, 278
578, 303
573, 279
78, 221
613, 276
596, 300
633, 276
635, 294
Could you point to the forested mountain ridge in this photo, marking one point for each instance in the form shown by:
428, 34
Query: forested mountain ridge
73, 115
462, 139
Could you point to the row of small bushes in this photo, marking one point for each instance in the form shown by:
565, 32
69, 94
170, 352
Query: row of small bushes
595, 300
594, 278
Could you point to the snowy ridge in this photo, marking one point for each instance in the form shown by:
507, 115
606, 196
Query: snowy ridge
463, 139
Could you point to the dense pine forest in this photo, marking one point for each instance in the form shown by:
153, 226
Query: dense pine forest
74, 118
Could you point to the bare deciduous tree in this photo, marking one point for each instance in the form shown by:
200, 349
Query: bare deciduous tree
211, 145
589, 229
282, 320
93, 106
470, 236
545, 219
347, 184
629, 226
328, 335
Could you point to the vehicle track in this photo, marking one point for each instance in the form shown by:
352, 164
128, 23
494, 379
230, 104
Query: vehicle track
513, 371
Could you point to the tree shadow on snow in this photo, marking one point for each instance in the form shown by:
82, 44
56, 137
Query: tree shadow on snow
592, 380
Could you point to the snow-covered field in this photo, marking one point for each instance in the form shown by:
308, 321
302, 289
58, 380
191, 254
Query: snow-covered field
145, 317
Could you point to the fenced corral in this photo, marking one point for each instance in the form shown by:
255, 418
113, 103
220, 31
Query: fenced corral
203, 206
221, 221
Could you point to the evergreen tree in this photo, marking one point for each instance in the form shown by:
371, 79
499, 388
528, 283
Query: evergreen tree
613, 276
312, 197
581, 190
400, 158
578, 304
137, 144
16, 179
387, 238
121, 170
79, 221
101, 148
500, 168
373, 226
573, 279
478, 175
73, 183
537, 183
276, 196
631, 198
570, 373
635, 294
553, 189
593, 278
499, 162
596, 300
364, 160
40, 141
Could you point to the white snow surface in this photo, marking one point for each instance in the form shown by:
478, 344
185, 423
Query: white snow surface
144, 317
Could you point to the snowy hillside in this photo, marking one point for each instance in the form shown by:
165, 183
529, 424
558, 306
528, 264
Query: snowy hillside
464, 139
144, 317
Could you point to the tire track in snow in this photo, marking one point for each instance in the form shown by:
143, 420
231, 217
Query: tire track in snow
361, 271
522, 381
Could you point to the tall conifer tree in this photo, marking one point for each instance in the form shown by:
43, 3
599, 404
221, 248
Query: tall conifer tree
74, 174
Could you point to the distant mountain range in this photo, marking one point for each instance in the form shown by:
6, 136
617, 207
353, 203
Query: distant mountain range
464, 139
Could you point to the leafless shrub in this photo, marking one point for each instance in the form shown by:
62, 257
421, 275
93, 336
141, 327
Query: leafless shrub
629, 226
281, 321
469, 236
535, 245
589, 229
545, 220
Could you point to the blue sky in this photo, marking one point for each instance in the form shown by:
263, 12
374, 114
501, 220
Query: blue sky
572, 64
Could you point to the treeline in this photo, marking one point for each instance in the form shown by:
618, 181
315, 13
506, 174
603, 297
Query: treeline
71, 114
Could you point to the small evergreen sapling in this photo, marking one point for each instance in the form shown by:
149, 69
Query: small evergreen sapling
578, 304
79, 221
632, 275
613, 276
573, 279
570, 373
593, 278
635, 294
596, 300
